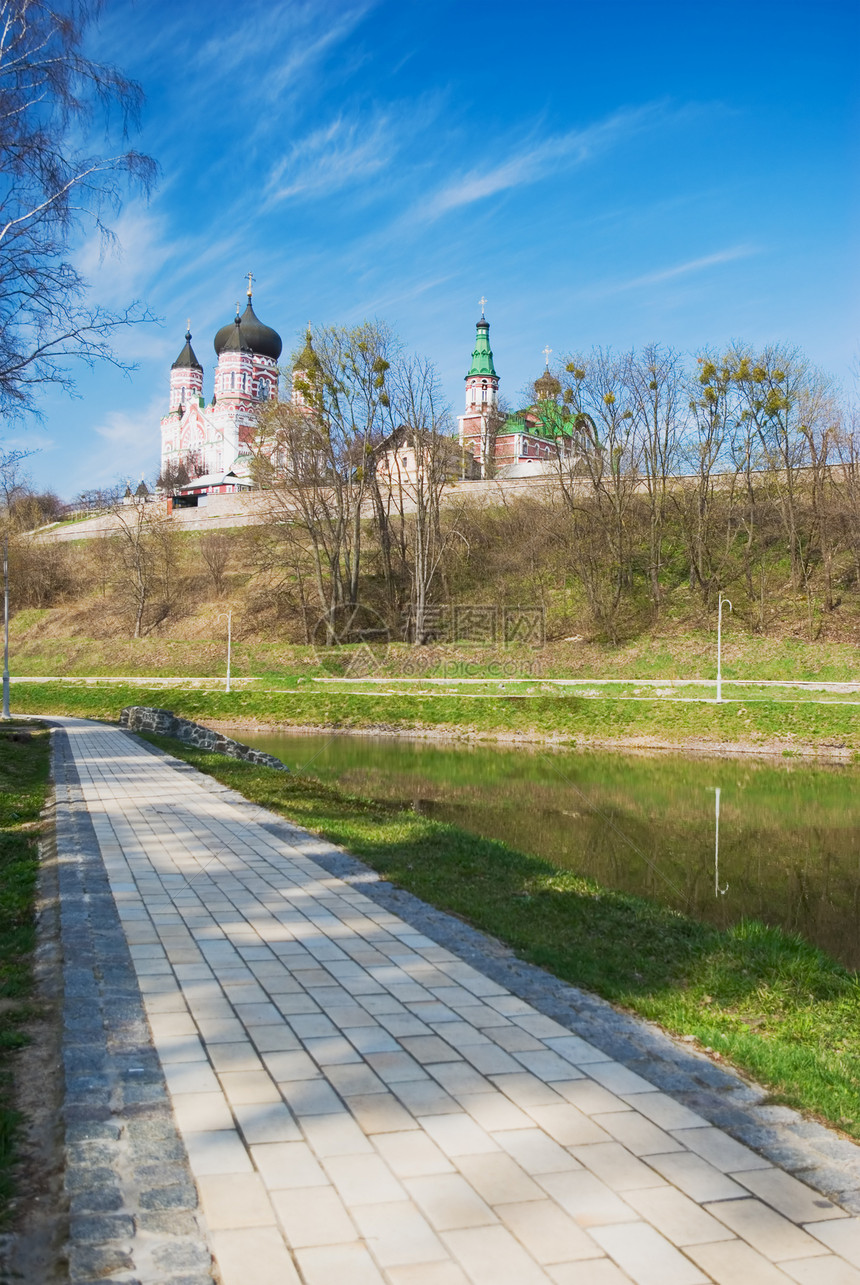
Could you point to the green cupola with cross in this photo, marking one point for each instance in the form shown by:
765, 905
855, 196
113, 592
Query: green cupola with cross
482, 382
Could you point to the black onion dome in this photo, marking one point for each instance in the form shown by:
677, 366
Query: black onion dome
260, 338
248, 334
187, 358
230, 337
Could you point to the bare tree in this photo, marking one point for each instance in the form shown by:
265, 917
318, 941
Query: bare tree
146, 553
598, 473
711, 392
411, 470
316, 459
654, 379
216, 550
50, 188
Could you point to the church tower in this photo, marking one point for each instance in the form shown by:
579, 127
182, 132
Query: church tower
218, 438
478, 424
303, 372
186, 377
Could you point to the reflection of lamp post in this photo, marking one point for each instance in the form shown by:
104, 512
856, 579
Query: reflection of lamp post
724, 602
6, 713
718, 891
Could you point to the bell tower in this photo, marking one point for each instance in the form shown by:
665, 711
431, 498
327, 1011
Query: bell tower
186, 376
482, 398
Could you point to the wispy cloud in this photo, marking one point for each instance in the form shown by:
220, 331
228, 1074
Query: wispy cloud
131, 446
337, 155
688, 268
121, 271
535, 159
289, 41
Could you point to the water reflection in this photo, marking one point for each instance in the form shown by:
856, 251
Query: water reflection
718, 891
774, 841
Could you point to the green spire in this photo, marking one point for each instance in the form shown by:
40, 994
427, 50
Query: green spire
482, 357
307, 358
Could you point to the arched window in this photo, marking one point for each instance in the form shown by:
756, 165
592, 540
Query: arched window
232, 379
483, 394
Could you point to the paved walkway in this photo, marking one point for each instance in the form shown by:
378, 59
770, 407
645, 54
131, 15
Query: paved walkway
358, 1104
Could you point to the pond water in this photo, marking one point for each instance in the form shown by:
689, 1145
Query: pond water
785, 848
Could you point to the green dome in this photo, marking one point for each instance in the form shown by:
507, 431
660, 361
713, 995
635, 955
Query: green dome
307, 358
482, 357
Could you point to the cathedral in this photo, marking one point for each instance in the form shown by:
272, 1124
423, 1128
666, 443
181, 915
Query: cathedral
212, 440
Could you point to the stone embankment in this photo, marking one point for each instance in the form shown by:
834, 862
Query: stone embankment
161, 722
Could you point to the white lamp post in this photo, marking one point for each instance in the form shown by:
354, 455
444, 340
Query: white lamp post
724, 602
229, 643
6, 713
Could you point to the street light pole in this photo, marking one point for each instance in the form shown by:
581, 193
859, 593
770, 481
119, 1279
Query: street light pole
724, 602
229, 643
6, 713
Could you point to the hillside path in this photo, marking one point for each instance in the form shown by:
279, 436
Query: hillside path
353, 1101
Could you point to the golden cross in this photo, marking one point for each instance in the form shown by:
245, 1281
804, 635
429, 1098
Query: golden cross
482, 301
546, 353
188, 323
251, 280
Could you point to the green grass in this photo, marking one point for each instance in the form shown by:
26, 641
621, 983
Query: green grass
760, 998
23, 788
37, 648
572, 718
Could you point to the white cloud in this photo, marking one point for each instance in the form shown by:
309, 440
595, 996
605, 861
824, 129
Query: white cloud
534, 160
687, 268
340, 153
308, 32
121, 271
131, 443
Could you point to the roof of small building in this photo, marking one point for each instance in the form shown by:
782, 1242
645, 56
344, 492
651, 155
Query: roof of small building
215, 479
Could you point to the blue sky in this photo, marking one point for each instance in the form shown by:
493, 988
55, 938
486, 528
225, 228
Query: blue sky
605, 173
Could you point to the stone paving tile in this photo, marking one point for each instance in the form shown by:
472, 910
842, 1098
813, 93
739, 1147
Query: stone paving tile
598, 1272
822, 1271
842, 1238
232, 1201
393, 1111
313, 1216
677, 1217
767, 1231
731, 1262
720, 1150
397, 1235
646, 1256
638, 1135
789, 1197
264, 1247
617, 1167
547, 1232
